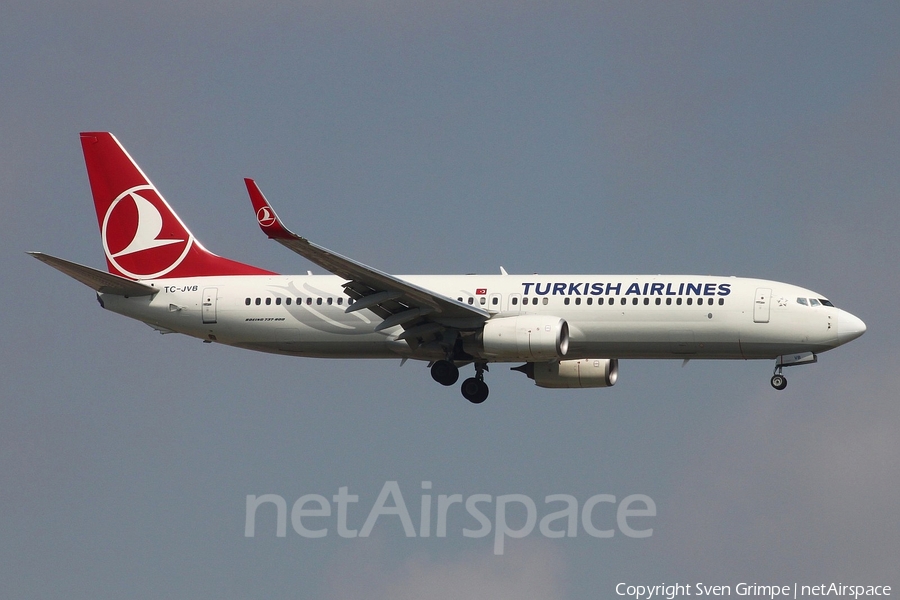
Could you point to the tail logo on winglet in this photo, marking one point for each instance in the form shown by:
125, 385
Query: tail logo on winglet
142, 238
265, 216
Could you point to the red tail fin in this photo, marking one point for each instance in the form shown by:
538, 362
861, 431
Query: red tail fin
142, 236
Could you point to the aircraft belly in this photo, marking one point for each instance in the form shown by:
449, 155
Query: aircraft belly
174, 317
324, 349
653, 339
660, 349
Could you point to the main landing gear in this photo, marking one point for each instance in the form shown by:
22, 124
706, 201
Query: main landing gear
474, 389
444, 372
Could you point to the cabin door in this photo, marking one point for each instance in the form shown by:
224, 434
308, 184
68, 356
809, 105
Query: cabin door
208, 307
761, 305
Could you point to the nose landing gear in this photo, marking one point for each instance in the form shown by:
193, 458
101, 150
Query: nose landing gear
778, 381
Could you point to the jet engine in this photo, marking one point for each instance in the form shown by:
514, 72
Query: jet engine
525, 337
581, 373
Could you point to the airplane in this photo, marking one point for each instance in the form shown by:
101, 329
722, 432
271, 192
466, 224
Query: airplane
568, 331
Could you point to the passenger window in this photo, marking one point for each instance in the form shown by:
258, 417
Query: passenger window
690, 301
534, 301
247, 301
544, 302
577, 301
319, 301
566, 301
589, 301
668, 302
495, 301
646, 301
459, 299
678, 302
515, 301
624, 300
813, 302
634, 301
268, 301
600, 301
721, 301
471, 300
308, 301
710, 301
258, 301
658, 301
287, 301
482, 301
278, 301
340, 301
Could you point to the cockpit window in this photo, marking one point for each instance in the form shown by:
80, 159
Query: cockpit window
813, 302
802, 301
826, 302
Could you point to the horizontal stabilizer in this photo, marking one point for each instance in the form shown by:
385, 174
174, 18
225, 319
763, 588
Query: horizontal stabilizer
97, 280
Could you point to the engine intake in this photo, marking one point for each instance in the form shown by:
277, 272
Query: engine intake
581, 373
525, 337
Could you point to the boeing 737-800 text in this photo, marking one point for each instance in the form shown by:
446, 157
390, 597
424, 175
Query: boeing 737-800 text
569, 331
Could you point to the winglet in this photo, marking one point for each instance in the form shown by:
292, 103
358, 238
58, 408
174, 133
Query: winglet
265, 214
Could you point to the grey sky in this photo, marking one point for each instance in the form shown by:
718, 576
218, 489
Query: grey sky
757, 139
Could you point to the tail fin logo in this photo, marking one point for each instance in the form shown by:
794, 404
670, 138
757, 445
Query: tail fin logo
142, 237
265, 216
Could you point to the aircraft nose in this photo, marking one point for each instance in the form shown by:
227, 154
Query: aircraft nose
849, 327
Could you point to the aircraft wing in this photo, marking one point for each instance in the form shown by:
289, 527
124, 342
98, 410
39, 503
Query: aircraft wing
101, 281
397, 301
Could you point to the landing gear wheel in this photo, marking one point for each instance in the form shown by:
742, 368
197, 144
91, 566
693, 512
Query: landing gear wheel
474, 390
779, 382
444, 372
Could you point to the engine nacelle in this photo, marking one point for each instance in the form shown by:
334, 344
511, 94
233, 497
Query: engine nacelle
581, 373
525, 337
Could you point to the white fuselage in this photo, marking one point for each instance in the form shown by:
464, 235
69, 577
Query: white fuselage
608, 316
